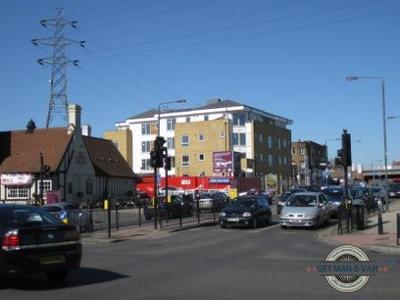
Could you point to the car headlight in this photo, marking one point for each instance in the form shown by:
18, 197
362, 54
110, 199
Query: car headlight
281, 203
246, 214
222, 214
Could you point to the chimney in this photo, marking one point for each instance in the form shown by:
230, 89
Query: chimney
74, 117
30, 127
86, 130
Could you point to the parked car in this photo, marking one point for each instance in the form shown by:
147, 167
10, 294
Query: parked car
70, 214
34, 241
394, 191
253, 191
336, 199
212, 201
174, 209
283, 198
172, 190
306, 209
246, 211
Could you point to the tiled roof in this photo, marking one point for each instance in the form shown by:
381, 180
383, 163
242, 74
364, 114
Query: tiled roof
106, 159
20, 151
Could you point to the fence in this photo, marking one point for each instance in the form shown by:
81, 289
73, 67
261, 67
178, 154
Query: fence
104, 221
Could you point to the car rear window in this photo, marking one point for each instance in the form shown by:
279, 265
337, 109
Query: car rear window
20, 216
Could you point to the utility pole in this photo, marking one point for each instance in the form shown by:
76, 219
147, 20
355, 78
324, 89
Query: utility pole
58, 103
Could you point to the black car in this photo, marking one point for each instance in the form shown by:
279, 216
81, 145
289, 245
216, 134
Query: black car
246, 211
34, 241
394, 191
285, 197
174, 209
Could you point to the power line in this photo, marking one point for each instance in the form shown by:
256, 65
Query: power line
285, 30
202, 20
226, 28
154, 14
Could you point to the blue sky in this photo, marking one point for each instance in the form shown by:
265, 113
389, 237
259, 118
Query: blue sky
288, 57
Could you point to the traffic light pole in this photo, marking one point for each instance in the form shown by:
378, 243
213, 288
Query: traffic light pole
155, 204
346, 198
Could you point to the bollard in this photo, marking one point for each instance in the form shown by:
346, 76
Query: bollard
180, 215
398, 229
116, 217
380, 223
140, 215
91, 225
107, 206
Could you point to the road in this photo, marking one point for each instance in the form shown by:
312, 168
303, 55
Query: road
207, 263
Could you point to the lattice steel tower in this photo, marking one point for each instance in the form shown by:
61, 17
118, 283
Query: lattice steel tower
58, 103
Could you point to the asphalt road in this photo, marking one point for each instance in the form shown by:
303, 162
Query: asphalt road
207, 263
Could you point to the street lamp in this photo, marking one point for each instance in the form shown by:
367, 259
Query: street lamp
352, 78
159, 111
393, 117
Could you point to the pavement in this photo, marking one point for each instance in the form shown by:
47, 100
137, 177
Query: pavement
369, 238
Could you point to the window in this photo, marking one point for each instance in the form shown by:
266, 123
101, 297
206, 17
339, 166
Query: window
293, 150
172, 161
239, 139
187, 119
279, 143
269, 141
146, 146
146, 128
284, 143
284, 160
171, 124
46, 185
18, 192
260, 137
206, 118
270, 160
171, 143
145, 164
201, 157
185, 160
201, 137
185, 140
89, 186
70, 189
279, 160
261, 157
238, 119
116, 145
302, 151
222, 135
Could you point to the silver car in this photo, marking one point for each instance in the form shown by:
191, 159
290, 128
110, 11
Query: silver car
305, 209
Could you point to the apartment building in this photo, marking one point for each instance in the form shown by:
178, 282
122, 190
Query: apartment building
309, 159
259, 141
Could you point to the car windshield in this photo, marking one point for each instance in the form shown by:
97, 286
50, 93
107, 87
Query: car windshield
23, 216
286, 196
356, 193
302, 201
336, 193
206, 195
243, 202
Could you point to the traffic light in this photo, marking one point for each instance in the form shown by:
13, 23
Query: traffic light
346, 147
152, 158
167, 165
157, 155
339, 158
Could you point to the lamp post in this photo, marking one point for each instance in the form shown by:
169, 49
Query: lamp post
156, 207
382, 81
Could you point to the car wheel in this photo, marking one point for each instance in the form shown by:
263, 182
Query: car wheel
57, 275
316, 226
283, 227
268, 221
223, 226
254, 224
148, 218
